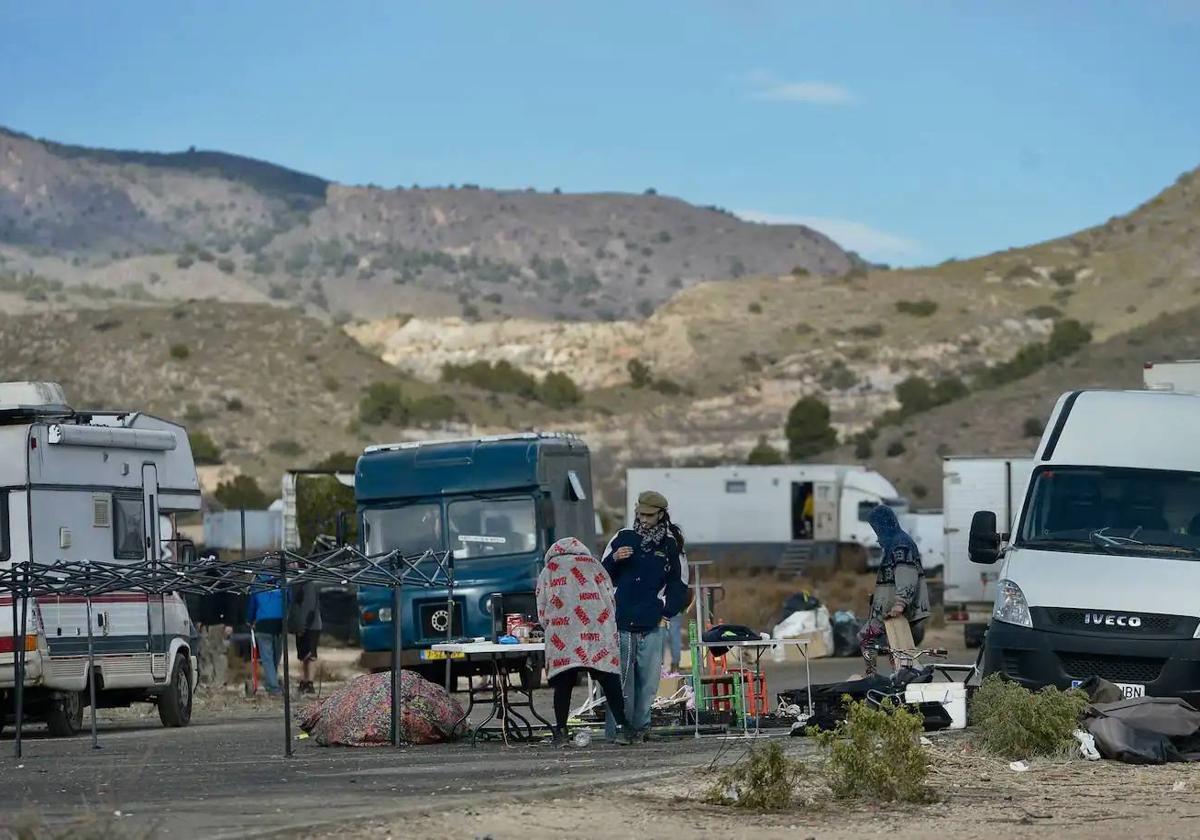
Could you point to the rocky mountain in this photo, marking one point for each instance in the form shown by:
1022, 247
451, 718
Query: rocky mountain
82, 217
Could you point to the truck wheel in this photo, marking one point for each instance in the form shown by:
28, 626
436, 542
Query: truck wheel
175, 703
65, 717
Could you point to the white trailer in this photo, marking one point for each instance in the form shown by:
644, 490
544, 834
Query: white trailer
969, 485
1182, 376
927, 529
769, 516
102, 486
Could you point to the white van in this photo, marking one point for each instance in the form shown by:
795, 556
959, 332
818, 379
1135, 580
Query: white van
1101, 575
101, 486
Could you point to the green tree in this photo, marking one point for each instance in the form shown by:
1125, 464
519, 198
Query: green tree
559, 390
763, 454
205, 451
338, 462
808, 429
319, 500
639, 373
383, 402
241, 493
915, 394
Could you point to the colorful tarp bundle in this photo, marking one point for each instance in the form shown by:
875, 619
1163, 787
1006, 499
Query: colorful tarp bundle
360, 713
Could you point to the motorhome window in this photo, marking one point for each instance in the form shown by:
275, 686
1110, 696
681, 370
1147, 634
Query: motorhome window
1113, 511
129, 528
735, 487
577, 492
5, 546
414, 529
492, 527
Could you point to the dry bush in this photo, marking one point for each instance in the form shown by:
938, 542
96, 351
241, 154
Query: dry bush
1014, 722
765, 780
875, 754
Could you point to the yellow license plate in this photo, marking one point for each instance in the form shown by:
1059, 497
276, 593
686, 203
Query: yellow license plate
440, 654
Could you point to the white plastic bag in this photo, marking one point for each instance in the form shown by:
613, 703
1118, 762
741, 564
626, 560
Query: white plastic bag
1087, 745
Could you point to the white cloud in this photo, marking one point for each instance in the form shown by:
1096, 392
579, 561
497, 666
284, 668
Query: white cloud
766, 87
871, 243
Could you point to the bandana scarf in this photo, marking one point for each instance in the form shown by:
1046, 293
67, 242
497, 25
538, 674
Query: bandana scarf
652, 535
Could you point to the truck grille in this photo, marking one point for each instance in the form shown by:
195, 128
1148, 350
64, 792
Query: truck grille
1151, 624
1122, 669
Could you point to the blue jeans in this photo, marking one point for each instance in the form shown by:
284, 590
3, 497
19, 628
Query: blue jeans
641, 670
270, 648
675, 639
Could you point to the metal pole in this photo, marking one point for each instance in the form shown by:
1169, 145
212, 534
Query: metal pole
287, 685
17, 641
396, 680
19, 660
449, 612
91, 668
242, 517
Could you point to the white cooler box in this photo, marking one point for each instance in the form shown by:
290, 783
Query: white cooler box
951, 695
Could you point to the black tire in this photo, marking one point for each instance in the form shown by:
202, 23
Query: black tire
175, 702
65, 717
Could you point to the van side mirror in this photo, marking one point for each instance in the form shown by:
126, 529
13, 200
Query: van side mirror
983, 544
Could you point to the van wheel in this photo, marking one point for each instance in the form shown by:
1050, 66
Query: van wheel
65, 717
175, 703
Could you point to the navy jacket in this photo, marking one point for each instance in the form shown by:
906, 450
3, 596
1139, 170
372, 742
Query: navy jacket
649, 584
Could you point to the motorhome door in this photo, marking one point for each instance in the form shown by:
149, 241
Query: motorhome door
825, 507
155, 605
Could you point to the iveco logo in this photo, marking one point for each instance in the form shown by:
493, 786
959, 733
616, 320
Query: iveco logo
440, 620
1112, 620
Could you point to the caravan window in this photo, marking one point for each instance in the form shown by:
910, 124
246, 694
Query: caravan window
129, 528
735, 487
5, 551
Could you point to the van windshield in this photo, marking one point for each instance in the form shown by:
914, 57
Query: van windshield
414, 529
1114, 511
492, 527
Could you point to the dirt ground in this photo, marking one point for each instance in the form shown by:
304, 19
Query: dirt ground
979, 797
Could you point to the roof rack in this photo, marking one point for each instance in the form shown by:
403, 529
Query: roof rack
417, 444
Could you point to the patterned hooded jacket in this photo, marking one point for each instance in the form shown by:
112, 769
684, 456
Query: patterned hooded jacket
901, 576
578, 611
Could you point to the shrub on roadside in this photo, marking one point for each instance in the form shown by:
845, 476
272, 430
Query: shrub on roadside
1014, 722
764, 781
875, 754
917, 308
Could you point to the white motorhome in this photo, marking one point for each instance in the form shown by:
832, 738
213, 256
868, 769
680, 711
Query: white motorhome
970, 484
769, 516
1100, 573
1182, 376
100, 486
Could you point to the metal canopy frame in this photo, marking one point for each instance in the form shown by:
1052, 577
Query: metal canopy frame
273, 570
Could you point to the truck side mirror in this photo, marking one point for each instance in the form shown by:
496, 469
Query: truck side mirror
546, 513
983, 544
340, 527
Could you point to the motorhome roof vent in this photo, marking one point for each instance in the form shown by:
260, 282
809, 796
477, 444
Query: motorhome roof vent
22, 400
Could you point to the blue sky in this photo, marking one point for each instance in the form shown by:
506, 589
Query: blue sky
913, 132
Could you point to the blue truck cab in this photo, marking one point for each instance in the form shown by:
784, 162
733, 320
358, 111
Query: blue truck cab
497, 503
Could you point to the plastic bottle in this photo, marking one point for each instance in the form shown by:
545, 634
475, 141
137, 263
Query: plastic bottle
583, 738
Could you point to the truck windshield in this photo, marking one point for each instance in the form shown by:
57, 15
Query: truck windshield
492, 527
1114, 511
413, 529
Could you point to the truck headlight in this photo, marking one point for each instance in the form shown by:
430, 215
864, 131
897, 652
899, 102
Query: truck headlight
1011, 606
385, 614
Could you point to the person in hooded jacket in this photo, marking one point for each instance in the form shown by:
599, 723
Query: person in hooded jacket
646, 569
900, 588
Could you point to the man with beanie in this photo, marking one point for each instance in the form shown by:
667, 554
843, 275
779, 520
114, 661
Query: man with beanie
644, 564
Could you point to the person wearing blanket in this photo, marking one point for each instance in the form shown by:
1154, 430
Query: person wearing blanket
577, 609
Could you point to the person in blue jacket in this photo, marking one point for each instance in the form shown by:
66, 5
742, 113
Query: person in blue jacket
265, 617
646, 570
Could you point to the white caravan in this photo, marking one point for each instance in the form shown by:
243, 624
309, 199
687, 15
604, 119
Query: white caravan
1183, 377
1100, 573
102, 486
968, 485
769, 516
